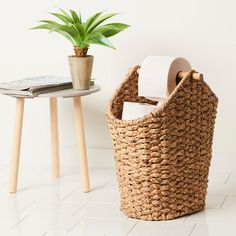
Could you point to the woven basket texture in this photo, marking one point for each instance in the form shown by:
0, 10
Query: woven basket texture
163, 158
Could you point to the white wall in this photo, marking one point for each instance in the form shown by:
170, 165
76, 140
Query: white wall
203, 31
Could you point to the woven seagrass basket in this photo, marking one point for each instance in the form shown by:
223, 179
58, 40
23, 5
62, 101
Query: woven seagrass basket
163, 158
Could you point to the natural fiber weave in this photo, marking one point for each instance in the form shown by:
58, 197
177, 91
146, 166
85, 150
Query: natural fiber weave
163, 159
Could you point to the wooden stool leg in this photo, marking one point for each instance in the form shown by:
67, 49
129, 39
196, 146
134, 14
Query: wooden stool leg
54, 138
81, 143
16, 145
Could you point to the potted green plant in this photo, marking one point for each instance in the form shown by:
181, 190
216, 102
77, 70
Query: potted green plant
81, 35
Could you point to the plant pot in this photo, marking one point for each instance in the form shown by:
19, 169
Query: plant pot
81, 70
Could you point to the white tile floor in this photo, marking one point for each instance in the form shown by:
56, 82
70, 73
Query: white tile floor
42, 207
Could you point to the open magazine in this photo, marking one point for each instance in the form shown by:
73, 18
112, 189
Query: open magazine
31, 87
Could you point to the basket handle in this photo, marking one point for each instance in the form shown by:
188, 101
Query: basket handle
195, 75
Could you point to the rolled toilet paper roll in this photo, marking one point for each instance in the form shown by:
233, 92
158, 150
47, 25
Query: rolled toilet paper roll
157, 76
135, 110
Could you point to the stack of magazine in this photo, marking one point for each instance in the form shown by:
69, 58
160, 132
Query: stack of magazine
31, 87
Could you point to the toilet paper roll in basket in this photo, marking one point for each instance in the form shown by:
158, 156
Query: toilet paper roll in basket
134, 110
157, 76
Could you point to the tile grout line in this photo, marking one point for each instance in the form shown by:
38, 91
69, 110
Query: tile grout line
107, 182
76, 212
228, 178
132, 228
73, 226
192, 229
223, 202
30, 204
68, 194
231, 195
20, 221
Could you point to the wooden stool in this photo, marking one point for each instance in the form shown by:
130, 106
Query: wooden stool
76, 95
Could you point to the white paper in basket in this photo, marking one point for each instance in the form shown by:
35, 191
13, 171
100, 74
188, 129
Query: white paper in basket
135, 110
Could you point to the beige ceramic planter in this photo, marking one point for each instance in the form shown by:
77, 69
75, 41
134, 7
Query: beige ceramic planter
81, 70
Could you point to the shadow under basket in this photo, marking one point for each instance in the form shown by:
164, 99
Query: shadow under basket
163, 158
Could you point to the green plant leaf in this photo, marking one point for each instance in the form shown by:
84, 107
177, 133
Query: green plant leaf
80, 29
43, 26
118, 25
98, 38
107, 31
53, 28
83, 45
66, 15
111, 29
67, 28
79, 32
61, 17
50, 25
75, 16
72, 32
100, 20
90, 21
67, 36
80, 17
